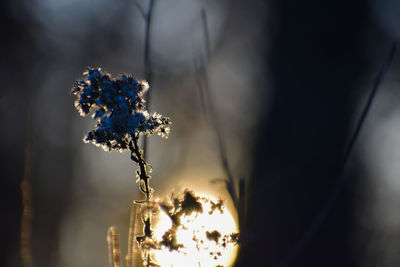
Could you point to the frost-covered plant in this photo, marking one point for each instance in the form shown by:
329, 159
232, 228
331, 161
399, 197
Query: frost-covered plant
118, 105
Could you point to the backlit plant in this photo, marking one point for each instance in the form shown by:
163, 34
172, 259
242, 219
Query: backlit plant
119, 108
118, 105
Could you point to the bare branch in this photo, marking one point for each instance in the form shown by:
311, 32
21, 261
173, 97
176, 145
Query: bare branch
209, 103
27, 207
140, 9
147, 60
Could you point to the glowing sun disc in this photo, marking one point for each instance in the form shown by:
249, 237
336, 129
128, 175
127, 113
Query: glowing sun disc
200, 249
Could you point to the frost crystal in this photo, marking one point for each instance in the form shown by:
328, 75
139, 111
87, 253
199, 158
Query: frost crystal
119, 108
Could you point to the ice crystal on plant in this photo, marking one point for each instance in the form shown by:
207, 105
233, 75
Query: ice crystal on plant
118, 105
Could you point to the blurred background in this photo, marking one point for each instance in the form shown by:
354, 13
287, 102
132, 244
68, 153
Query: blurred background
289, 80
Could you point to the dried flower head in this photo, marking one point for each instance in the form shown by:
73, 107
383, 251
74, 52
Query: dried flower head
119, 108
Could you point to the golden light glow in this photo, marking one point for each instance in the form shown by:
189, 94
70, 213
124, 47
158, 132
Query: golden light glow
199, 250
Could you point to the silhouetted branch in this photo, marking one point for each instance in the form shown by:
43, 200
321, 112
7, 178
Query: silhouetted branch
210, 106
27, 209
321, 215
148, 75
148, 72
206, 33
138, 156
139, 7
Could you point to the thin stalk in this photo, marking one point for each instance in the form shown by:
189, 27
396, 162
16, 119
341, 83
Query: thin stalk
215, 120
27, 209
141, 11
131, 236
114, 251
148, 69
138, 157
320, 217
134, 256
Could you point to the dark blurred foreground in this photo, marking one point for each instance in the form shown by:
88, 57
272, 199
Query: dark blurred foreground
290, 79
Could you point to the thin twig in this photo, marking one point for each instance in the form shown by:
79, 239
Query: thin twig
241, 205
138, 156
139, 7
114, 251
134, 256
148, 70
320, 217
148, 75
203, 103
206, 32
27, 209
131, 236
215, 120
141, 156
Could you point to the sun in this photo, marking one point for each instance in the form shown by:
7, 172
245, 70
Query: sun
205, 237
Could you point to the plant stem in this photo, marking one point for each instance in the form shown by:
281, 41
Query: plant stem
143, 176
148, 75
114, 251
213, 114
27, 208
